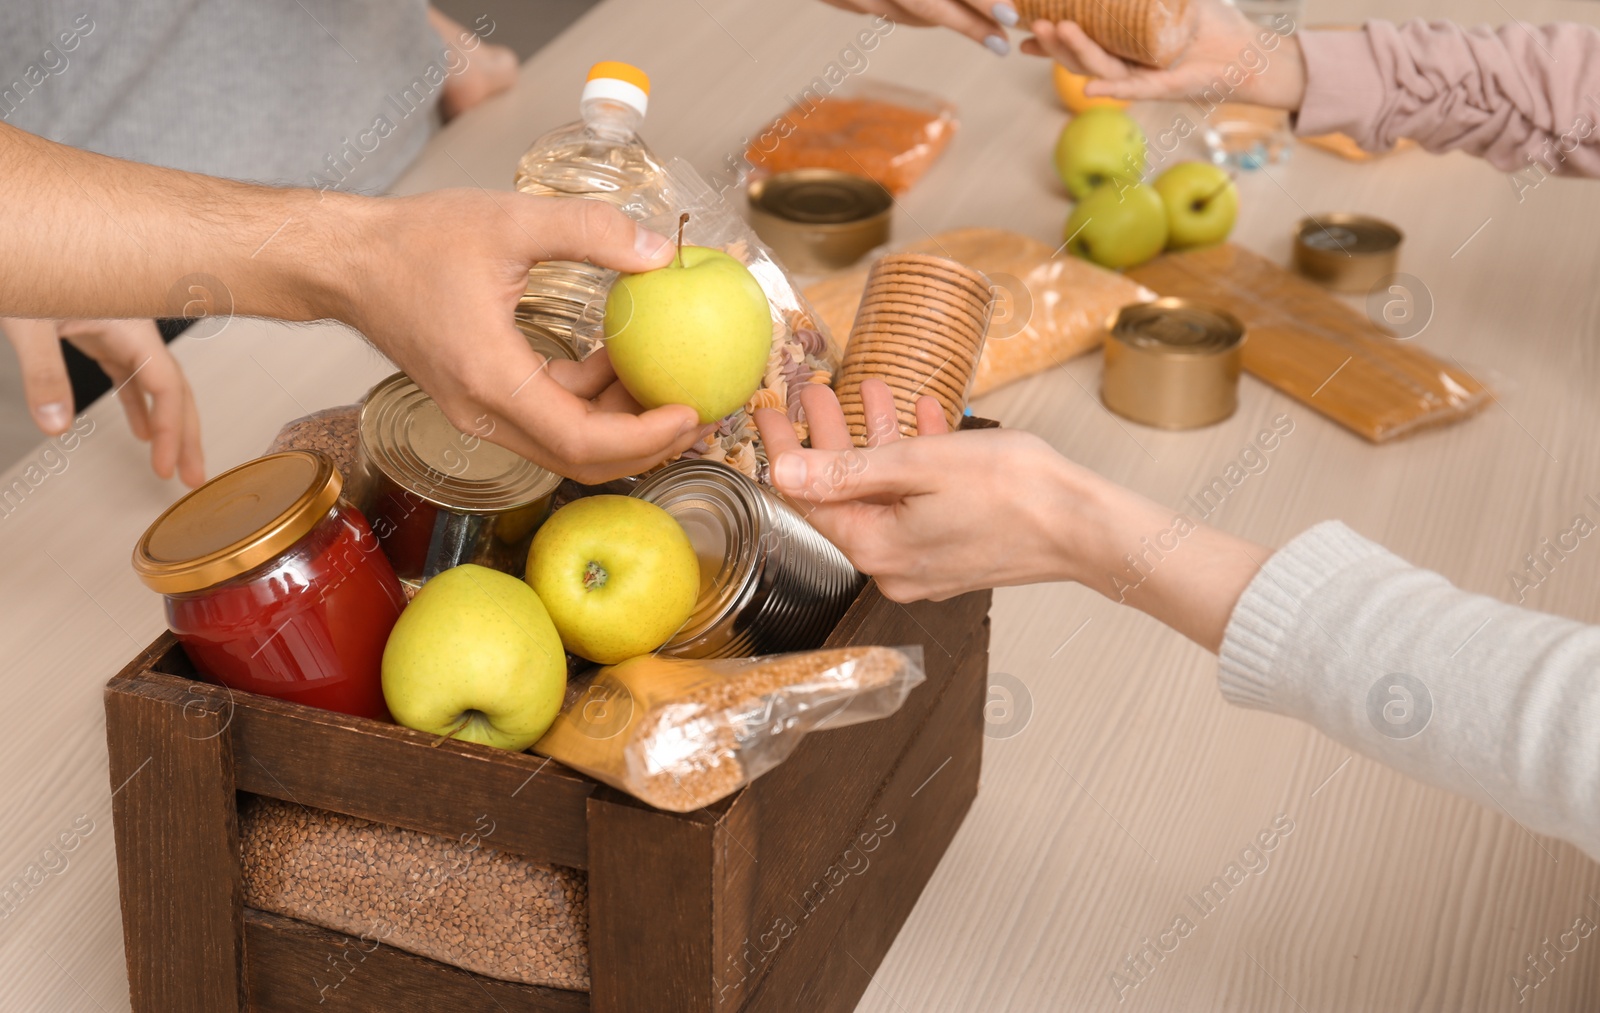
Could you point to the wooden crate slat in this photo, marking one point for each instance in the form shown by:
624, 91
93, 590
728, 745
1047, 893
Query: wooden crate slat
813, 803
397, 776
926, 798
294, 967
652, 876
177, 836
383, 772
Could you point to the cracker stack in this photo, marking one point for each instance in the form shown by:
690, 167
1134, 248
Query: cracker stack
1151, 32
920, 329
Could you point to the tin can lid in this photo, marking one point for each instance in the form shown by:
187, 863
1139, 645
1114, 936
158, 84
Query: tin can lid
1177, 327
1349, 235
722, 511
405, 435
821, 197
242, 518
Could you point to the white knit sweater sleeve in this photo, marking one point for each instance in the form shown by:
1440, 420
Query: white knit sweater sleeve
1458, 690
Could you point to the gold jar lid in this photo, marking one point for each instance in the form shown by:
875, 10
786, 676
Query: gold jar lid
405, 435
237, 521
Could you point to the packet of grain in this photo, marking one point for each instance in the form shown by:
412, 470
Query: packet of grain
681, 734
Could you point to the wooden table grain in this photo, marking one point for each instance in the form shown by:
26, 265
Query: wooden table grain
1117, 784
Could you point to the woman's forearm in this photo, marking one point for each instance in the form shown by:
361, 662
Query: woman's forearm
1458, 690
1164, 563
1516, 95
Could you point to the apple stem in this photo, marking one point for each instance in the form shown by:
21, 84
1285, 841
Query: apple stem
452, 733
1200, 205
594, 576
683, 220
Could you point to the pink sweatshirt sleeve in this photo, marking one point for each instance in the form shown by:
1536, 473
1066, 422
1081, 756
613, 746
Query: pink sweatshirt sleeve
1518, 95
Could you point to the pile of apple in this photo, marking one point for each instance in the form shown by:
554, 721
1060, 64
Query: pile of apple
1120, 221
480, 656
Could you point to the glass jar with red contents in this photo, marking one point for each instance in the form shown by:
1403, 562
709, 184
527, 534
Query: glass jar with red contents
275, 585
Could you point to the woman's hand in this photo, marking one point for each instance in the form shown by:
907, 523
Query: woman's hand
931, 517
983, 21
941, 515
1230, 57
148, 381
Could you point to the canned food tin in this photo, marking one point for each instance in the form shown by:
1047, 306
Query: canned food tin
1345, 252
1173, 364
438, 497
769, 582
820, 220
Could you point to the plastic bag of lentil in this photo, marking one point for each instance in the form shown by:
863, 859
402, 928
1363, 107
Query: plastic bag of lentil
681, 734
334, 431
883, 131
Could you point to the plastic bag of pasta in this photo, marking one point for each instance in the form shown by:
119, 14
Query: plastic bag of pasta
681, 734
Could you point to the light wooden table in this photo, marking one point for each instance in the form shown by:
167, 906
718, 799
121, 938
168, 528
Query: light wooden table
1130, 785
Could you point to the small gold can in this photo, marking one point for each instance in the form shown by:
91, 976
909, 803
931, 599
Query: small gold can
1173, 364
819, 220
1347, 252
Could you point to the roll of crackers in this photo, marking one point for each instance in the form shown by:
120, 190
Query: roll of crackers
920, 329
1151, 32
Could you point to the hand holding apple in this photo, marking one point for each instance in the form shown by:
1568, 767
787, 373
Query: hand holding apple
696, 332
475, 657
619, 576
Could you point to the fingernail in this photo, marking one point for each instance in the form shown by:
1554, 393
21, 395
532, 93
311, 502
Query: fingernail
691, 425
1005, 14
651, 245
789, 472
54, 417
997, 45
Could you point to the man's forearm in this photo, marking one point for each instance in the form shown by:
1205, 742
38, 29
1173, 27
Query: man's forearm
83, 235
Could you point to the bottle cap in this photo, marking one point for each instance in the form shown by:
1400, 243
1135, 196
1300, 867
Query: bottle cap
620, 82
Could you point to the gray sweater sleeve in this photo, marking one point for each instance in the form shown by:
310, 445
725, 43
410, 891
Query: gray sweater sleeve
1458, 690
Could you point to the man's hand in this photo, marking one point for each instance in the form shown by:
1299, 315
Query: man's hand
151, 386
442, 277
983, 21
432, 280
1229, 57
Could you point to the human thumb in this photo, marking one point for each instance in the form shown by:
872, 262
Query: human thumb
590, 230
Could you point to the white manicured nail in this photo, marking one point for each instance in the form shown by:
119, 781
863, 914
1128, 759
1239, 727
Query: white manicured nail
54, 417
997, 45
1005, 14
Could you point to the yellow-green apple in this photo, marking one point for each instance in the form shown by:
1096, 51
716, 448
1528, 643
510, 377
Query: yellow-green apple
1202, 204
1118, 226
475, 656
1100, 145
619, 576
696, 332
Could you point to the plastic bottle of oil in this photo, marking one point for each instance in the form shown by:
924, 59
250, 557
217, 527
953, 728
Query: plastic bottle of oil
599, 157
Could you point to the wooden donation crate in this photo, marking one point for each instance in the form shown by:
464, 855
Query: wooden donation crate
763, 901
